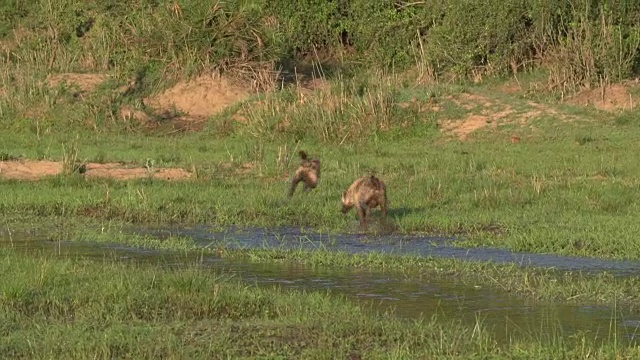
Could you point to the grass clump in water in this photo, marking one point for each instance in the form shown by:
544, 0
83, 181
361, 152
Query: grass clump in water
78, 308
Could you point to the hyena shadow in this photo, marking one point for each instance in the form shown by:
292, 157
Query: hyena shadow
389, 225
401, 212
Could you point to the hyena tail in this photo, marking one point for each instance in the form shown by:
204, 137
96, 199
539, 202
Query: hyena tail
303, 155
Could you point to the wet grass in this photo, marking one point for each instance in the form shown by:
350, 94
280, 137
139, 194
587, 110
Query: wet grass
53, 306
536, 283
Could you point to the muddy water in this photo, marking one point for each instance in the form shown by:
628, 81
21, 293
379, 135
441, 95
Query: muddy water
508, 317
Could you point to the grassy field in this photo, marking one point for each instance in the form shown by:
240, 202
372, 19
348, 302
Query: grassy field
566, 187
509, 161
569, 186
53, 307
489, 142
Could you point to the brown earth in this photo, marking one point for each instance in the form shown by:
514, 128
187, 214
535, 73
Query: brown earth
483, 114
190, 103
463, 128
187, 103
492, 112
199, 98
608, 98
117, 171
35, 170
29, 170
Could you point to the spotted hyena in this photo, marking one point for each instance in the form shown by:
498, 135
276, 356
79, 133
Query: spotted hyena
366, 193
308, 172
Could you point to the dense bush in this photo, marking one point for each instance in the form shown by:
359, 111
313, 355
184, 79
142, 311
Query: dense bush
581, 42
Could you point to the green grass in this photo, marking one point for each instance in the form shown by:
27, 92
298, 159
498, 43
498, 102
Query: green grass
536, 283
74, 308
569, 187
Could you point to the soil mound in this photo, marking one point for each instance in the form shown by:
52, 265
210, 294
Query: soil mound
199, 98
608, 98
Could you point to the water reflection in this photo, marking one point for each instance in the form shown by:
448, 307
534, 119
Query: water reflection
507, 316
296, 238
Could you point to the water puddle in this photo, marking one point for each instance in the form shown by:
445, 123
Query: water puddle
507, 316
296, 238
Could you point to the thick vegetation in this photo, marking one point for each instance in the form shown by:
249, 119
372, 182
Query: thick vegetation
580, 42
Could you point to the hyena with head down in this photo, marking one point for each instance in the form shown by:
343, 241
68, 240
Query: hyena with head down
366, 193
308, 172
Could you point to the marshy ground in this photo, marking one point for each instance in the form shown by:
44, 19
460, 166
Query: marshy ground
145, 147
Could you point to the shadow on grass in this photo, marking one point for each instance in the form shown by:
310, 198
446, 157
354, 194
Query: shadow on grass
405, 211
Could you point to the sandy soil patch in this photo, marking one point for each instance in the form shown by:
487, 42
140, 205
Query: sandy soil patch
486, 112
117, 171
199, 98
35, 170
187, 104
487, 115
464, 127
29, 170
609, 98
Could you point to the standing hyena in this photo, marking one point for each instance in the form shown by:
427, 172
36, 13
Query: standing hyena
365, 194
308, 172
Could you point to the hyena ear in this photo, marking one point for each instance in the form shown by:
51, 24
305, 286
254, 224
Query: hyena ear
344, 196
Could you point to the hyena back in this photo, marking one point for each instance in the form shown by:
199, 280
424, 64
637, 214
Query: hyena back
366, 193
308, 172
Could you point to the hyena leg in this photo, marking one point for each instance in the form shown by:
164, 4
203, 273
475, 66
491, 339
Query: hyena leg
309, 182
294, 183
362, 213
383, 206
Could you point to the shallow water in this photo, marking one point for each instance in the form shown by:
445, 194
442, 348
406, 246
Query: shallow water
507, 316
296, 238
